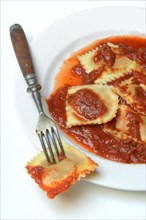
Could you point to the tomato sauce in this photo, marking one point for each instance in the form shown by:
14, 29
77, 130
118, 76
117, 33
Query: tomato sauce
93, 137
140, 97
87, 104
134, 124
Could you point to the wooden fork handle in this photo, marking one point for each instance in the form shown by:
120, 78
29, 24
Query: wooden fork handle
21, 49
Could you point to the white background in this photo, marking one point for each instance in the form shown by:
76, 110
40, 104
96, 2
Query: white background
21, 197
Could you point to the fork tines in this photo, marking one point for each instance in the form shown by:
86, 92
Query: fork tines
51, 144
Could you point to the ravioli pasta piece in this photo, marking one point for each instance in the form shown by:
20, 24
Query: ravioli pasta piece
127, 124
90, 104
133, 94
87, 61
57, 178
122, 67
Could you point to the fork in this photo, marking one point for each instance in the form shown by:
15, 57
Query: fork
46, 128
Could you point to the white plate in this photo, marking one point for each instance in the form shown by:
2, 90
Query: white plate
57, 43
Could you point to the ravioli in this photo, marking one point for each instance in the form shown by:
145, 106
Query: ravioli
133, 94
127, 124
101, 56
122, 67
90, 104
57, 178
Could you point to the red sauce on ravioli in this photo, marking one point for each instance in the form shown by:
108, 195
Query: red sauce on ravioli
38, 173
86, 103
93, 137
104, 52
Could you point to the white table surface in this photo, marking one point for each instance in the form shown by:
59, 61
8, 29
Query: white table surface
21, 197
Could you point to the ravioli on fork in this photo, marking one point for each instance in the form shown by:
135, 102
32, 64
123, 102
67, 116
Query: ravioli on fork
57, 178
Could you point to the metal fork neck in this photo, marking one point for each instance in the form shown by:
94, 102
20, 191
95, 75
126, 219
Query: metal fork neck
33, 88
